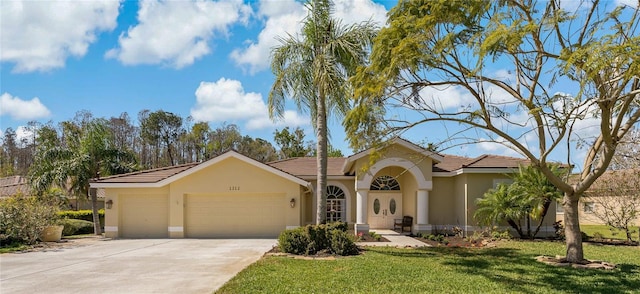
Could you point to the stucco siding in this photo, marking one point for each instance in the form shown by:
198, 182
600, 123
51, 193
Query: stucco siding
442, 201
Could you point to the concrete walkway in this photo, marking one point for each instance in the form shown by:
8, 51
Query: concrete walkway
396, 240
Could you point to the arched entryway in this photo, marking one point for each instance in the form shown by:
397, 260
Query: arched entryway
370, 185
385, 202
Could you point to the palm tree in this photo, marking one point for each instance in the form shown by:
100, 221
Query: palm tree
314, 70
498, 205
528, 197
533, 186
72, 166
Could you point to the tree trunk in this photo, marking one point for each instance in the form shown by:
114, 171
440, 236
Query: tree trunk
515, 227
321, 188
572, 228
97, 227
528, 222
543, 213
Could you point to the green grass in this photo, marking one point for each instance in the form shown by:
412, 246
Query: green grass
607, 232
13, 248
509, 268
81, 236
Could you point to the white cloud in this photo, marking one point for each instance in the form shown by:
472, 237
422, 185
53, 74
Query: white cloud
498, 146
630, 3
447, 98
176, 33
285, 17
22, 109
41, 35
355, 11
225, 100
24, 136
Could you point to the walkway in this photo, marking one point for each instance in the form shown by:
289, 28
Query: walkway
396, 240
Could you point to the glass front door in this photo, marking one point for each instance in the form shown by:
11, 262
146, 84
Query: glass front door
383, 209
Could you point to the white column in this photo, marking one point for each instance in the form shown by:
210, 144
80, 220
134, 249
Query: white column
422, 213
361, 204
361, 211
423, 207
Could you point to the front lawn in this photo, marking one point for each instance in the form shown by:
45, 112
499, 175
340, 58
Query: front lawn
510, 267
607, 232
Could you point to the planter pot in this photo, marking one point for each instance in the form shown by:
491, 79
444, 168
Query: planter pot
51, 234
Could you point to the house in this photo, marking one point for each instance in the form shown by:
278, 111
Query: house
614, 195
14, 185
234, 196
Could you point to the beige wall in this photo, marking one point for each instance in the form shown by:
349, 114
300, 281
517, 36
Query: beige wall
231, 176
442, 201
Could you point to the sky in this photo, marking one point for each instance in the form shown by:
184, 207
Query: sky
204, 59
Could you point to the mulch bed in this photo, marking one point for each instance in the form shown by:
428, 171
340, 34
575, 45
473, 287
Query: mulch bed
368, 238
457, 241
561, 261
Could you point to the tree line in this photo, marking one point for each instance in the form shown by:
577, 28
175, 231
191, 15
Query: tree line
156, 139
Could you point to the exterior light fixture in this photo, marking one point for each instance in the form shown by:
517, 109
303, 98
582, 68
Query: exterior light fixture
109, 204
292, 203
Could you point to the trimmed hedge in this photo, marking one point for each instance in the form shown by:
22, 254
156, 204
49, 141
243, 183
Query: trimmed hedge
76, 227
85, 214
311, 239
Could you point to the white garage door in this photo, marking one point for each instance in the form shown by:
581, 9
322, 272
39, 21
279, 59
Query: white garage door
235, 215
144, 216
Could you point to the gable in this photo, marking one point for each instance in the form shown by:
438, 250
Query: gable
395, 148
234, 175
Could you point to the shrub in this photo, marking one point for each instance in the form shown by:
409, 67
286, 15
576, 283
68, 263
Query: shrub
23, 218
342, 226
294, 241
319, 236
598, 236
85, 214
585, 237
375, 236
314, 238
559, 230
76, 227
342, 243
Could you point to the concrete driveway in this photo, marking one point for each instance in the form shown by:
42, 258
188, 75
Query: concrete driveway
130, 266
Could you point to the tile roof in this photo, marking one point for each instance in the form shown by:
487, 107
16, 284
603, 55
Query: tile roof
13, 185
12, 180
306, 166
454, 162
147, 176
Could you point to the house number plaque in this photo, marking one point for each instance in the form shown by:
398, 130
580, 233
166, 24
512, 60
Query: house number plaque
234, 188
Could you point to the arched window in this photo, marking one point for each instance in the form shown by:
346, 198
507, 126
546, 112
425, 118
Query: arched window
336, 204
385, 183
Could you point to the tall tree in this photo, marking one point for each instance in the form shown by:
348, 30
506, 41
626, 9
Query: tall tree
162, 129
432, 46
8, 153
291, 143
313, 70
72, 166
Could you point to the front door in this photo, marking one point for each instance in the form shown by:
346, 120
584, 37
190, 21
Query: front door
383, 209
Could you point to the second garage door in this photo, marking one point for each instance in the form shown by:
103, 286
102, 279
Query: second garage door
144, 216
235, 215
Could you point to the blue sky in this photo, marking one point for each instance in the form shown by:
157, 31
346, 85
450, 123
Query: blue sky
207, 59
